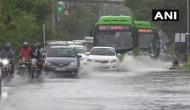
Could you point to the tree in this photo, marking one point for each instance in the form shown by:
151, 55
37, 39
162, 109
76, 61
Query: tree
21, 20
22, 28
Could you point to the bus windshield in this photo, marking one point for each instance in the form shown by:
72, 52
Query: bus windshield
145, 39
116, 39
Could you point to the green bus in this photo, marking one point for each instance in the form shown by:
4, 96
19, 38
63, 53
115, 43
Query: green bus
116, 31
148, 36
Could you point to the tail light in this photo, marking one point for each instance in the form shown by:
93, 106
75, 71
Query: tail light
23, 59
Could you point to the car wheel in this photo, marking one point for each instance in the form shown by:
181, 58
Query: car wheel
75, 74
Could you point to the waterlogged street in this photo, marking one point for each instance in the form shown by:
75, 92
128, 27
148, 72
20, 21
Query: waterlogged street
149, 87
143, 46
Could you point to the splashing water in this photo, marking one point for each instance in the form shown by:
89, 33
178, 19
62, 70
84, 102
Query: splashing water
144, 64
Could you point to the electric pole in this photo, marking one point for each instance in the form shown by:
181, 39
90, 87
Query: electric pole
187, 34
53, 18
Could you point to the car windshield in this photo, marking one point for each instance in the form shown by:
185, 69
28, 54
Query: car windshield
103, 51
50, 45
80, 50
61, 52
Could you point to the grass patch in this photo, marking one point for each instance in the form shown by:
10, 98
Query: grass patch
186, 67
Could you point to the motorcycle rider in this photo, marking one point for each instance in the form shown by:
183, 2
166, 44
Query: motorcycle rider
25, 51
39, 51
24, 54
38, 54
33, 51
7, 52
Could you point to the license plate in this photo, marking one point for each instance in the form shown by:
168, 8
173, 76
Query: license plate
60, 69
104, 67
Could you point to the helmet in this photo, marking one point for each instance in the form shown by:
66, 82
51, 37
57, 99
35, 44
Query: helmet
25, 44
7, 46
34, 46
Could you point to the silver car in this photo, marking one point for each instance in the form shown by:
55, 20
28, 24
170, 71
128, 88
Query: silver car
63, 60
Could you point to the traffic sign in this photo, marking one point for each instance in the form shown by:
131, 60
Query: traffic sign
177, 37
60, 7
180, 37
183, 37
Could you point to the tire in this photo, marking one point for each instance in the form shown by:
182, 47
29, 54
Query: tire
22, 71
76, 75
7, 77
32, 73
0, 87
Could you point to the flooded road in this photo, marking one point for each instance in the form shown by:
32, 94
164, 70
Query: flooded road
155, 89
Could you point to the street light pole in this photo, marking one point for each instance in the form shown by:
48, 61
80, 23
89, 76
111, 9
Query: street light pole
187, 34
53, 17
44, 35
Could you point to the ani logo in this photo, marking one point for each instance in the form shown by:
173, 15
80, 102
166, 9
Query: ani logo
165, 15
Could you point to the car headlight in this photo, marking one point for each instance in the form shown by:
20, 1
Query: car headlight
113, 61
73, 63
5, 61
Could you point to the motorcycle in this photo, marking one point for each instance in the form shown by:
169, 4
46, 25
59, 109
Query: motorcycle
152, 55
6, 69
35, 69
23, 66
152, 52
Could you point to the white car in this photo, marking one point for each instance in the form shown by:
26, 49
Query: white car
82, 52
103, 58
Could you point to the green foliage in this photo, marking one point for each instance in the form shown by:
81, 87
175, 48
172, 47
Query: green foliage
186, 66
21, 20
22, 28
